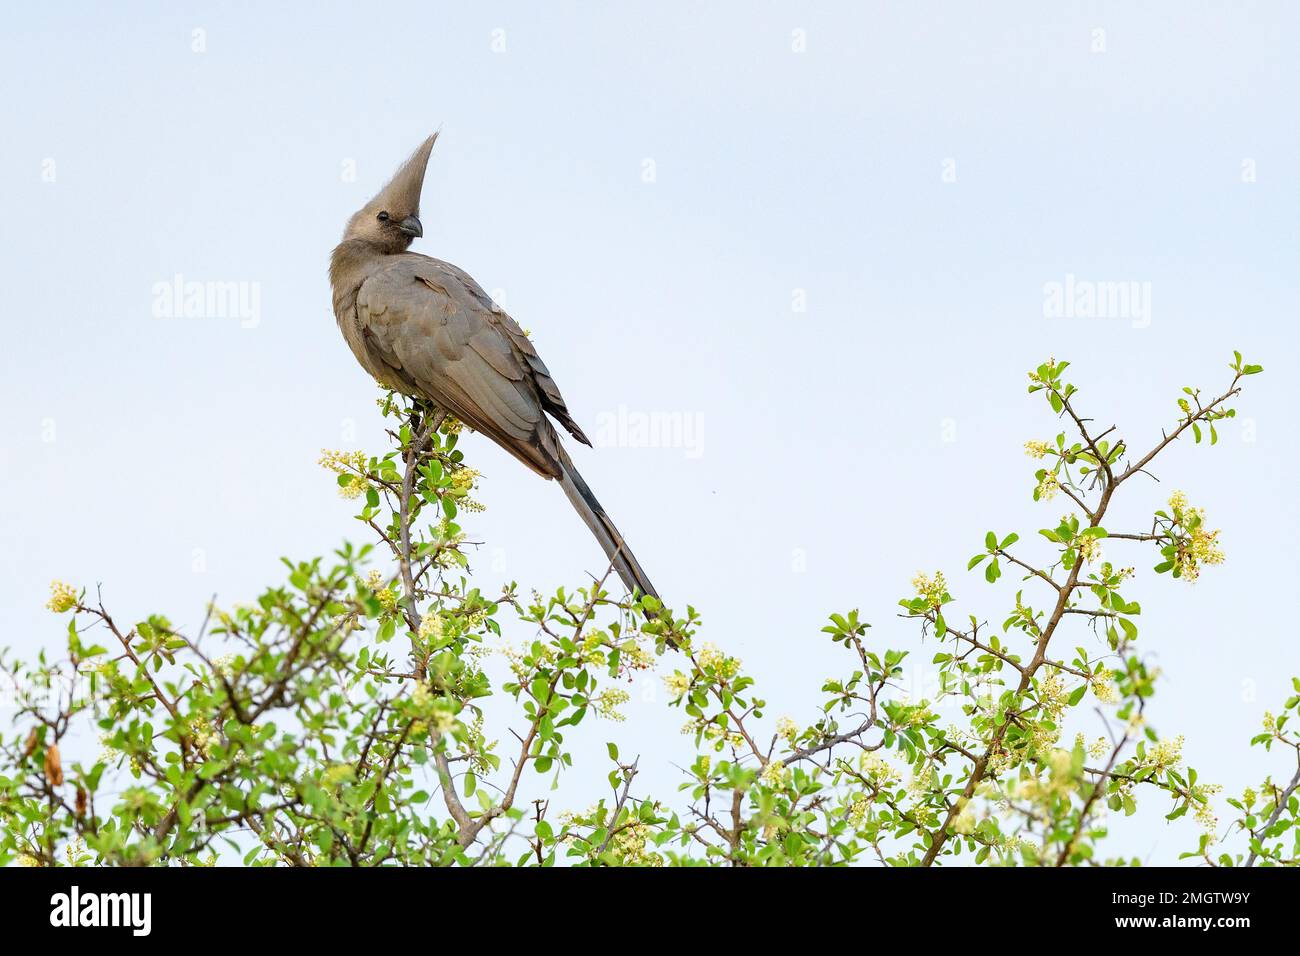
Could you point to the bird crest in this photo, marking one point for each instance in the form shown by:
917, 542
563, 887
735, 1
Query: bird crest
401, 195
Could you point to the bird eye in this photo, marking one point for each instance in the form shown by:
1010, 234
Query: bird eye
383, 217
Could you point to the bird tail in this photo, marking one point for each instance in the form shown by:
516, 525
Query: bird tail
619, 554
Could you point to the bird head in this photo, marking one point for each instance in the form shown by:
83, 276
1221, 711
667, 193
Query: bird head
391, 220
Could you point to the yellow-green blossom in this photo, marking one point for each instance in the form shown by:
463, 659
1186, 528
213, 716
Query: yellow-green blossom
1102, 687
930, 589
63, 597
336, 774
858, 810
1053, 695
351, 465
677, 684
877, 769
966, 820
432, 628
1089, 548
1204, 806
788, 730
1197, 545
1047, 488
773, 774
608, 701
1165, 754
712, 659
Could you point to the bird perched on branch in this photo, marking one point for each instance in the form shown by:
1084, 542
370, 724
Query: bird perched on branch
423, 327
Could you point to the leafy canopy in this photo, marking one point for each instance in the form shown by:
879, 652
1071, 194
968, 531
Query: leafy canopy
339, 719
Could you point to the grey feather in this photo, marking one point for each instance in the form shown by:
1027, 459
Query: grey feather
425, 328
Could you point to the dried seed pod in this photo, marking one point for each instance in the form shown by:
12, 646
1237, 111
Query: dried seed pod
81, 801
53, 766
32, 740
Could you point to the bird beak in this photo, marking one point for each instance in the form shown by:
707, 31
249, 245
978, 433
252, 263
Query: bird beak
411, 226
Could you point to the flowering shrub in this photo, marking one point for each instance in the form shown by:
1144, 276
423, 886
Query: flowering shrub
339, 719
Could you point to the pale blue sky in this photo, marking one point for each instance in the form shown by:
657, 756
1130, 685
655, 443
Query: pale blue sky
130, 441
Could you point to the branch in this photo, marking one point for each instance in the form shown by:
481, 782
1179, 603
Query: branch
1277, 811
628, 774
1200, 415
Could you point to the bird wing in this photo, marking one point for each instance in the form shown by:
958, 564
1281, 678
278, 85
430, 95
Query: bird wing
441, 334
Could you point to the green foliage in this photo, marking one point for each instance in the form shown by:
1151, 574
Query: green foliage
1267, 820
341, 718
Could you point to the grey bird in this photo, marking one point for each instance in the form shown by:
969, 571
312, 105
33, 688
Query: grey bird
423, 327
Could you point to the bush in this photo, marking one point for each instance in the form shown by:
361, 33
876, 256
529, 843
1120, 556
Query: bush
339, 719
